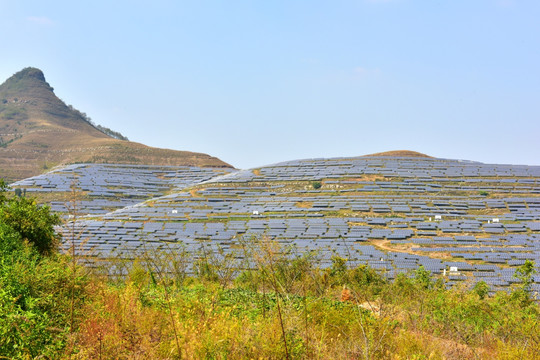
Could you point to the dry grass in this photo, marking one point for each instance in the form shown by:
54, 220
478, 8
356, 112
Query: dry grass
494, 212
304, 204
236, 322
368, 177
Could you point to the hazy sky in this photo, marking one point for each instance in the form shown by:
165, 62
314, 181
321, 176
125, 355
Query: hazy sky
259, 82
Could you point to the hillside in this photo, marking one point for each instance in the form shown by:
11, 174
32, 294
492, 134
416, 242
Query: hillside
38, 131
391, 213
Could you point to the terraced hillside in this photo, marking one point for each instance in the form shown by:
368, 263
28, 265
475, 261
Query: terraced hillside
464, 221
39, 131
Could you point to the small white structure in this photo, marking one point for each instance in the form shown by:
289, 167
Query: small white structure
495, 220
174, 211
438, 217
453, 270
256, 212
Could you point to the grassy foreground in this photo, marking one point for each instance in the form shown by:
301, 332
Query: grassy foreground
208, 306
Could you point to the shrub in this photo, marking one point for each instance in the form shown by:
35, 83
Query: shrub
32, 222
481, 289
35, 298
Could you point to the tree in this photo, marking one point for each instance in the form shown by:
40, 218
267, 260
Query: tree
481, 289
525, 273
423, 277
522, 294
3, 190
34, 223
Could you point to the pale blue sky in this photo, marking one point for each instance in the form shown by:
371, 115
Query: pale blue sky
259, 82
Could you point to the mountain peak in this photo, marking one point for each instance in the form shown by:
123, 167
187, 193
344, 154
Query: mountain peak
30, 73
29, 82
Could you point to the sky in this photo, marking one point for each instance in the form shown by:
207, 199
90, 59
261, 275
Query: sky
260, 82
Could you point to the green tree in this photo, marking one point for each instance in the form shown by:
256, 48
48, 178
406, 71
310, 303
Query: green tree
423, 277
338, 271
34, 223
3, 190
525, 273
522, 294
481, 289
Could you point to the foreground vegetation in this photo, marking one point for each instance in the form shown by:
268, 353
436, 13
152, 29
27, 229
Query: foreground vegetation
274, 304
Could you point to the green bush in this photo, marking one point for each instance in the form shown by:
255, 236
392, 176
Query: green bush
38, 287
481, 289
32, 222
35, 298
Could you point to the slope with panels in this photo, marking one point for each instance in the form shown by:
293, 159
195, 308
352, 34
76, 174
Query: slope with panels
101, 188
391, 213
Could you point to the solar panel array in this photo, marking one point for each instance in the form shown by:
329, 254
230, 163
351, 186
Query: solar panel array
111, 186
393, 214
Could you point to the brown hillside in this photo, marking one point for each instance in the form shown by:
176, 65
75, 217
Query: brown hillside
401, 153
38, 130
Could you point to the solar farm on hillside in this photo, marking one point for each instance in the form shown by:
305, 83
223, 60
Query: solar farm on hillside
464, 221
